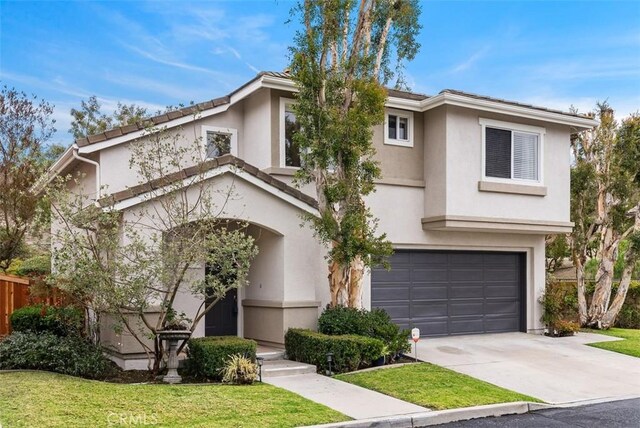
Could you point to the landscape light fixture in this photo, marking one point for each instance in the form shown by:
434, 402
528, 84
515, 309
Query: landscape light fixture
329, 361
260, 361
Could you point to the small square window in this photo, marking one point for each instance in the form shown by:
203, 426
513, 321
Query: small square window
397, 128
218, 144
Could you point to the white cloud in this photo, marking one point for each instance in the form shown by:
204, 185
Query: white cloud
465, 65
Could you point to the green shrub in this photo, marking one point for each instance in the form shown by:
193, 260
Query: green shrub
561, 301
340, 320
350, 352
208, 355
62, 321
239, 370
37, 266
46, 351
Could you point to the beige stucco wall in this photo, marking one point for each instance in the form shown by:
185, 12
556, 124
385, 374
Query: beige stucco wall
255, 144
464, 170
117, 175
397, 162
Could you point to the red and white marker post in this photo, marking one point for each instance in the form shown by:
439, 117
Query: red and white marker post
415, 336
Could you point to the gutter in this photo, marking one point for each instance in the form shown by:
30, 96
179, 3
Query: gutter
94, 163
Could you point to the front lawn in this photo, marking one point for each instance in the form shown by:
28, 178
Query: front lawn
630, 345
433, 386
41, 399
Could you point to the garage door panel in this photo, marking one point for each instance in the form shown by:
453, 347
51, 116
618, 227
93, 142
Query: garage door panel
396, 275
423, 258
459, 274
391, 292
466, 326
466, 291
429, 291
500, 259
396, 311
502, 307
466, 308
451, 292
429, 275
502, 290
466, 258
499, 325
505, 274
431, 327
429, 309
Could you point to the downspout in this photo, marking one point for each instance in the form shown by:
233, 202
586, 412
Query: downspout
94, 163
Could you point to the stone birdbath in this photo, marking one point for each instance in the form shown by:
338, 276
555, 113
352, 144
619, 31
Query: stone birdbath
173, 337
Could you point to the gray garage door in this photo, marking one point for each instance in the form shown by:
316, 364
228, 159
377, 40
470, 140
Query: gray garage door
452, 292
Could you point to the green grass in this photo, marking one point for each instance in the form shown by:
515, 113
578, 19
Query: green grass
432, 386
630, 345
40, 399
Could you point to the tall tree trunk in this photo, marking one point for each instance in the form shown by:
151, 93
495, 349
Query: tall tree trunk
604, 277
612, 313
582, 295
355, 282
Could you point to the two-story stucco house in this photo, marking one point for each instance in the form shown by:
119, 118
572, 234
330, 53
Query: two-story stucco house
471, 185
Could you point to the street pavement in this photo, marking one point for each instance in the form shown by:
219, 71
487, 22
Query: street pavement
615, 414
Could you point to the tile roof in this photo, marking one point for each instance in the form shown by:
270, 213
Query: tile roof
513, 103
206, 166
194, 109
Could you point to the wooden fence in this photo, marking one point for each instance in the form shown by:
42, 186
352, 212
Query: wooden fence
14, 294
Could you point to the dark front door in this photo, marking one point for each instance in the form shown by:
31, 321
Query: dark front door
453, 292
222, 319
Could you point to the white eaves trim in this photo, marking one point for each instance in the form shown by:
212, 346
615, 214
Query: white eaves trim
226, 169
284, 84
509, 109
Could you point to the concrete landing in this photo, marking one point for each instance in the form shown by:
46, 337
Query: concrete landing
351, 400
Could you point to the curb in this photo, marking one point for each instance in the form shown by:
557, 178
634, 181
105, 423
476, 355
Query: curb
423, 419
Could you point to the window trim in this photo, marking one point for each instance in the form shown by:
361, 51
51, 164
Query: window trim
284, 102
204, 129
517, 127
394, 141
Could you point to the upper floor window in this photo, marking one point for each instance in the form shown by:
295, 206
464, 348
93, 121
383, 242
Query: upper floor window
289, 149
219, 141
398, 128
512, 151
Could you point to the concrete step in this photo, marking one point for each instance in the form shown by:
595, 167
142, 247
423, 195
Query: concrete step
271, 354
278, 368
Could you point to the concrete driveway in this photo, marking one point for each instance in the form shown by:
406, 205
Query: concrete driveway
555, 370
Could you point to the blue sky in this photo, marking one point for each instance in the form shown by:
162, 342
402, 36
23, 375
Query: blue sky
156, 54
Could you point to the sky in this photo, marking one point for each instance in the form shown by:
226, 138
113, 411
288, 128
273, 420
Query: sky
555, 54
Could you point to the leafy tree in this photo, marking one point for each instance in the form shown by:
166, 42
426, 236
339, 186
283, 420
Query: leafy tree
133, 264
605, 199
557, 249
340, 63
25, 124
90, 120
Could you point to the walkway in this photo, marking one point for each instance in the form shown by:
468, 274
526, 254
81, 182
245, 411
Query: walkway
351, 400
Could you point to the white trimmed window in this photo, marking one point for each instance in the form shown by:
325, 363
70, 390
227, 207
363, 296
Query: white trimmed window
511, 151
219, 141
289, 149
398, 128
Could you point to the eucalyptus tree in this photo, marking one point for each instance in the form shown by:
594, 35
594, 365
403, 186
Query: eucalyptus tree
342, 57
605, 187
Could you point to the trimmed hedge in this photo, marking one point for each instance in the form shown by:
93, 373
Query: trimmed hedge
46, 351
350, 352
340, 320
207, 356
63, 321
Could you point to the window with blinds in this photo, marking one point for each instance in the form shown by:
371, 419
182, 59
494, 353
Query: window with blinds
511, 154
